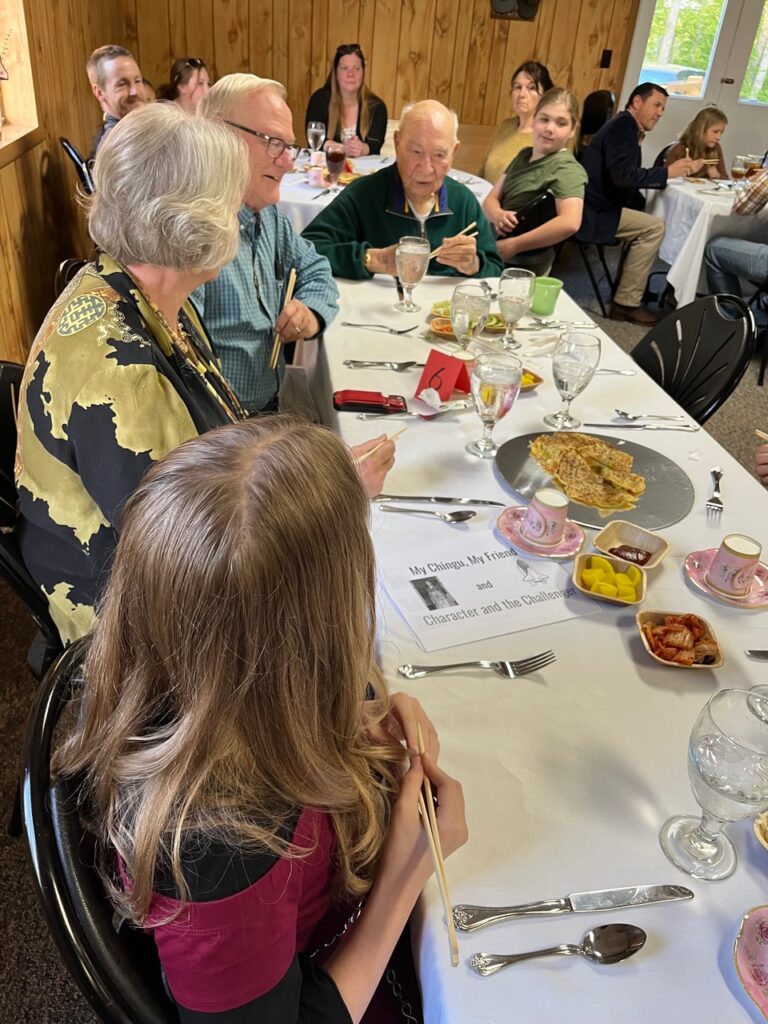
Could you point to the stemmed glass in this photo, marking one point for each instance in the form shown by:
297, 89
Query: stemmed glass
470, 306
728, 772
315, 135
573, 366
515, 297
411, 261
495, 383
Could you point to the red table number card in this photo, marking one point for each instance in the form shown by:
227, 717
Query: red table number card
444, 374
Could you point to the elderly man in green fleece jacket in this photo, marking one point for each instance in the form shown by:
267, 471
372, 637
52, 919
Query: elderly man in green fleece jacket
359, 230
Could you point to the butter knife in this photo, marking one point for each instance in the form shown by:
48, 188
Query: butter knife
690, 427
469, 918
438, 500
761, 655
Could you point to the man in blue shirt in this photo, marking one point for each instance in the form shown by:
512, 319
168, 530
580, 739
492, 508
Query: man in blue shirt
242, 307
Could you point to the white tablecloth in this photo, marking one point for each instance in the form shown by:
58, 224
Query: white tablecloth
568, 774
301, 203
693, 214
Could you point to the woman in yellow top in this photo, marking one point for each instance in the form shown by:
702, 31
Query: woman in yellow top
529, 83
701, 141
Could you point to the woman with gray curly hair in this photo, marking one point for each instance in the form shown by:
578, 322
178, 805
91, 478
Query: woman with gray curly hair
122, 370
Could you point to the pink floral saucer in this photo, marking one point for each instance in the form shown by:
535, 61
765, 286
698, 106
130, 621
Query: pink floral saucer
697, 565
510, 521
750, 955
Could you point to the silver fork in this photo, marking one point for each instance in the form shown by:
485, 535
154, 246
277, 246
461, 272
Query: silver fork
508, 669
715, 504
380, 327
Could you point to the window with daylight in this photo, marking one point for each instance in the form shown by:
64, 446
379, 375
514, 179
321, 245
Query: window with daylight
755, 86
18, 110
681, 44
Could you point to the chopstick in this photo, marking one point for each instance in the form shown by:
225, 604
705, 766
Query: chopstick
462, 232
288, 296
429, 819
761, 434
375, 448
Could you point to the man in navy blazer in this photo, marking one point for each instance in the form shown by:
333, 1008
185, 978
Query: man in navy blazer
613, 204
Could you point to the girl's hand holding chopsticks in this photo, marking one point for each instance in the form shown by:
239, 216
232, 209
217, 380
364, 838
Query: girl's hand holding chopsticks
373, 460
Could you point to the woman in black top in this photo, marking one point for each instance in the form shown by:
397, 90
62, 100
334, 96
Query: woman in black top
351, 113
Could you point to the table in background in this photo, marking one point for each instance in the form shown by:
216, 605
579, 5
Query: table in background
301, 202
568, 774
693, 214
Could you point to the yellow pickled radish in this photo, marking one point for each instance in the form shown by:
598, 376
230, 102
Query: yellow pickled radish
627, 593
590, 576
623, 580
606, 589
634, 575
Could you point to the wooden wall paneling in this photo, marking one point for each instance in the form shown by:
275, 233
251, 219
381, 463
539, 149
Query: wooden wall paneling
464, 20
343, 26
476, 79
14, 341
521, 46
280, 26
414, 51
230, 35
545, 21
443, 48
177, 38
319, 67
300, 51
259, 38
367, 11
592, 33
198, 33
619, 40
503, 37
563, 42
385, 49
154, 43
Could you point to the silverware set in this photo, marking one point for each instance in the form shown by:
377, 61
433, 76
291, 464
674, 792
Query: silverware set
383, 364
459, 516
438, 500
507, 669
631, 417
448, 410
715, 504
689, 428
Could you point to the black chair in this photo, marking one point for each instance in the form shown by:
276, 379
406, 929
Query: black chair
583, 244
659, 161
757, 301
117, 971
82, 166
65, 272
699, 353
598, 108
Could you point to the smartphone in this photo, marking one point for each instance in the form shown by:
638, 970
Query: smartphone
348, 400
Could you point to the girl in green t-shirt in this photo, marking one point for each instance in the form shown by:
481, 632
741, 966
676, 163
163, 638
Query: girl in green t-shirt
547, 166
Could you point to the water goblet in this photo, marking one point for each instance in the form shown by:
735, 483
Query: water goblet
470, 306
574, 363
495, 383
515, 297
728, 772
411, 261
334, 161
315, 135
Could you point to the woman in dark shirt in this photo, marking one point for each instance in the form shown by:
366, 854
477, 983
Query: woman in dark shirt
351, 113
254, 797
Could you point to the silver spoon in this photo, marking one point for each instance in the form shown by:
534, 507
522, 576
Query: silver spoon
607, 944
640, 416
459, 516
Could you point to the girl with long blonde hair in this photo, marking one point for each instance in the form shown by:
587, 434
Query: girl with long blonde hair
353, 116
239, 748
701, 141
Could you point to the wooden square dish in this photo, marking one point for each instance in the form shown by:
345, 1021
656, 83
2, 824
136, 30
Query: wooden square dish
619, 532
618, 565
657, 619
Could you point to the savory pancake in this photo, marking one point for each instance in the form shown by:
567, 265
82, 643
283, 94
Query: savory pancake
589, 470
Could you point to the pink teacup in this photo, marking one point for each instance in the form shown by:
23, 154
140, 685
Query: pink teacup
316, 176
544, 521
733, 567
317, 159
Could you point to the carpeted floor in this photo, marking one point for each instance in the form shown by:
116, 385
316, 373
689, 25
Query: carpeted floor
34, 987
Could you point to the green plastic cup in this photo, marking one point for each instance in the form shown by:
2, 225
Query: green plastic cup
545, 292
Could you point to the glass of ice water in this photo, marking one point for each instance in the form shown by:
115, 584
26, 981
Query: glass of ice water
515, 298
495, 386
470, 306
728, 772
411, 262
574, 363
315, 135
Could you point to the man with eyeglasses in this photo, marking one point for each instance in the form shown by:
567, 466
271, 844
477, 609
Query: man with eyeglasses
360, 229
243, 306
117, 84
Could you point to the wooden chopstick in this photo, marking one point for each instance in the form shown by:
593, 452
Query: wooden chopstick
462, 232
288, 296
428, 817
761, 434
375, 448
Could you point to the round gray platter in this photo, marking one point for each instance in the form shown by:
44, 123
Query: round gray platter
667, 499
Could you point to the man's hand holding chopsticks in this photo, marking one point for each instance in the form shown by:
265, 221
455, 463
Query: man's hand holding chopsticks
296, 321
459, 252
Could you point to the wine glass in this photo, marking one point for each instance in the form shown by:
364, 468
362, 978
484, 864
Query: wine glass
495, 383
470, 306
573, 366
411, 261
334, 161
728, 772
315, 135
515, 297
739, 168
